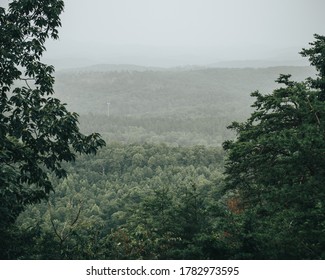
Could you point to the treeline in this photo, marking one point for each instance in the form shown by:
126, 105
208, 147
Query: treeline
132, 202
172, 131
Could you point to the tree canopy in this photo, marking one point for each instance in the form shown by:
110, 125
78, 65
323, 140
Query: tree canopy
37, 132
138, 201
276, 168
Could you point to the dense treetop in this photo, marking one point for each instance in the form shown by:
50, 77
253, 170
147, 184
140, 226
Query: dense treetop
37, 132
276, 167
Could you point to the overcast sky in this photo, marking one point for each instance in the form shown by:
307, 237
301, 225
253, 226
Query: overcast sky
180, 32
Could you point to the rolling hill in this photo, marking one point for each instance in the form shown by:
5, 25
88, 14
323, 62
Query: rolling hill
154, 102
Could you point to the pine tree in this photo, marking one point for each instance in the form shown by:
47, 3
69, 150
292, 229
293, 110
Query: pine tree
276, 168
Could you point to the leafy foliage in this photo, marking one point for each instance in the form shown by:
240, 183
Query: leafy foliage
276, 168
37, 132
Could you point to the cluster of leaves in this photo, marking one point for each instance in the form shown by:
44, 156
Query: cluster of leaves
37, 132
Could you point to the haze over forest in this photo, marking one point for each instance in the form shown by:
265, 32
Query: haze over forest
178, 106
160, 81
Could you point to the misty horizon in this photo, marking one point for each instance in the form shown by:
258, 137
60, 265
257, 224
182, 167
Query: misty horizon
169, 58
173, 33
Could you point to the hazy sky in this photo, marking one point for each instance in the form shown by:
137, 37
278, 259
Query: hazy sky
179, 32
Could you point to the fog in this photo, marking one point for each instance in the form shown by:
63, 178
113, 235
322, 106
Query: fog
183, 32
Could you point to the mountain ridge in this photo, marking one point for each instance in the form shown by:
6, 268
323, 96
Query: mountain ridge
107, 67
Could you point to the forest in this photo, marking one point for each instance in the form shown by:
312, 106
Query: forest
134, 201
158, 189
133, 163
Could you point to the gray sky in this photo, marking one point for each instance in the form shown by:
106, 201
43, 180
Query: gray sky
180, 32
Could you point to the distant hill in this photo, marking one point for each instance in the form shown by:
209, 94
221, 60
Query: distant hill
111, 68
257, 63
179, 105
221, 64
135, 90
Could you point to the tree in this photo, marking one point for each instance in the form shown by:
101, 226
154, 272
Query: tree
276, 169
37, 132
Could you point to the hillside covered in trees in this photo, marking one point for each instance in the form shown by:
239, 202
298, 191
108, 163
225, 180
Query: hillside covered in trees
170, 182
153, 192
176, 106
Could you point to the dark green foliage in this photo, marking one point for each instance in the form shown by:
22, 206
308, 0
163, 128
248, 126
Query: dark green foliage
276, 168
316, 55
37, 132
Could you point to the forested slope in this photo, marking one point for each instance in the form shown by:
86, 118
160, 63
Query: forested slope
142, 200
172, 93
154, 194
178, 106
